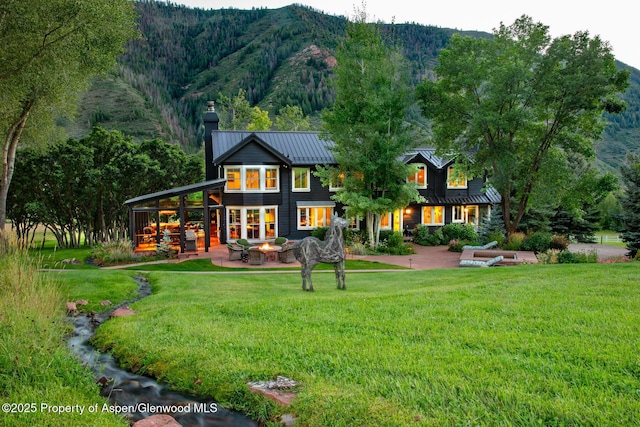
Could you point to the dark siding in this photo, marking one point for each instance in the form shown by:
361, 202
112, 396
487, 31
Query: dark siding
252, 154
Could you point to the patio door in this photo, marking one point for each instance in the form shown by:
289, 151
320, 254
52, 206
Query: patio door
254, 223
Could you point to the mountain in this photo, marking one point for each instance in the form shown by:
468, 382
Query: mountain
280, 57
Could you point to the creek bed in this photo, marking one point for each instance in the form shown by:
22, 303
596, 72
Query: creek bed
136, 396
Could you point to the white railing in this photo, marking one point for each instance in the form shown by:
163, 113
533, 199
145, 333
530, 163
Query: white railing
610, 239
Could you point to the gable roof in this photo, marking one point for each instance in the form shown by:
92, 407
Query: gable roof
427, 154
295, 148
298, 148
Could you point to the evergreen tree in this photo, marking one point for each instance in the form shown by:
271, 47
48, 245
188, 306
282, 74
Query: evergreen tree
631, 203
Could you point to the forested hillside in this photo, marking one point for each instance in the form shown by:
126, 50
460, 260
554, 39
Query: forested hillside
278, 56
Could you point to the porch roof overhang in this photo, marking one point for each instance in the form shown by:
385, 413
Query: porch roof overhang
178, 191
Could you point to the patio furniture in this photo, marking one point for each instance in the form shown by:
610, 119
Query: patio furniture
280, 241
235, 252
244, 243
286, 255
256, 256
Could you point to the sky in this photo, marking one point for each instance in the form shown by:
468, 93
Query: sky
612, 20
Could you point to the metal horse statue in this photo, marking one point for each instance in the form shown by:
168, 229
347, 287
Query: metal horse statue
310, 251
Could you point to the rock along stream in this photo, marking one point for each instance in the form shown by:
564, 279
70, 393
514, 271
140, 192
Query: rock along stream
136, 396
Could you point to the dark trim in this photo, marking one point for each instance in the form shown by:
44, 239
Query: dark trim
178, 191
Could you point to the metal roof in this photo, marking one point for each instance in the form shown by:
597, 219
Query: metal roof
301, 148
178, 191
490, 196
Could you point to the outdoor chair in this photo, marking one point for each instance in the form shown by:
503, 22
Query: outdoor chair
286, 255
244, 243
235, 252
256, 256
280, 241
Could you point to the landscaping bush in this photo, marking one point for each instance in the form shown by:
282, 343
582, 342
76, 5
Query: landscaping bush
319, 232
113, 253
559, 242
460, 232
539, 241
392, 243
424, 237
514, 242
458, 245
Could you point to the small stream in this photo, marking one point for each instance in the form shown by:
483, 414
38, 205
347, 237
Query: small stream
137, 397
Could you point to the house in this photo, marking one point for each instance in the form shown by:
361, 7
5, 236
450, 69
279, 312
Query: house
261, 185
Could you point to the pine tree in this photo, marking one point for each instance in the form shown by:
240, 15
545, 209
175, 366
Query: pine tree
631, 204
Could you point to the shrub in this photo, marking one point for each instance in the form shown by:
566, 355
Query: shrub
355, 236
113, 253
457, 245
514, 242
423, 236
548, 257
319, 232
559, 242
392, 243
459, 232
539, 241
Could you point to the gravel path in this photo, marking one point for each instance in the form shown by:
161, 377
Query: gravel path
603, 251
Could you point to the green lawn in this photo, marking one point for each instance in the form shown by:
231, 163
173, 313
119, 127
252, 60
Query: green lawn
529, 345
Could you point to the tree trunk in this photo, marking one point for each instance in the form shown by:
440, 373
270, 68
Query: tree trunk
9, 157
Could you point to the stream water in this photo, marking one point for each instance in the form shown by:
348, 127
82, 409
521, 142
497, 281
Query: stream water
137, 397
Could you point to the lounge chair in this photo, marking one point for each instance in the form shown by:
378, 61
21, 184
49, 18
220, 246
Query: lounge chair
280, 241
256, 256
286, 255
244, 243
235, 252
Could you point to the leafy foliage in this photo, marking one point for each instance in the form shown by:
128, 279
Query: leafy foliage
367, 126
631, 204
522, 103
87, 181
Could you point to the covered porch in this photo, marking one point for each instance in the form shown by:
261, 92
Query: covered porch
189, 217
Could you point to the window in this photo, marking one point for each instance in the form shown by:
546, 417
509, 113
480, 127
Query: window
233, 178
301, 179
456, 178
235, 223
465, 215
385, 221
420, 177
252, 178
313, 217
271, 178
337, 183
254, 223
270, 223
433, 215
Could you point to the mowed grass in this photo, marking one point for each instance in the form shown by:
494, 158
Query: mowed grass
555, 345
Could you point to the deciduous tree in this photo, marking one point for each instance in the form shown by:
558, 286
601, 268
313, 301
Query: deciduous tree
514, 107
368, 128
48, 49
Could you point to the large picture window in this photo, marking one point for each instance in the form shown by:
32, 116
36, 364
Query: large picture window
311, 217
252, 178
253, 223
433, 215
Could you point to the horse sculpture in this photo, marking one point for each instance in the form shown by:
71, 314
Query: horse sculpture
310, 251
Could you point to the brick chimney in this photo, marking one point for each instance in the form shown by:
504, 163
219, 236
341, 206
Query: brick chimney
211, 121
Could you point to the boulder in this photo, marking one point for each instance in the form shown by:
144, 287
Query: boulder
158, 420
